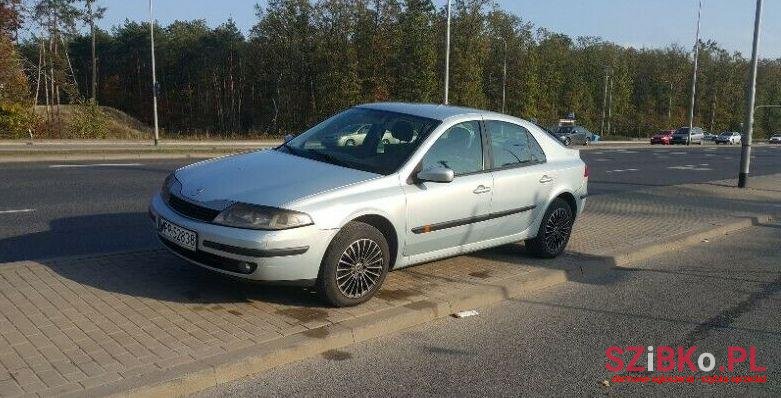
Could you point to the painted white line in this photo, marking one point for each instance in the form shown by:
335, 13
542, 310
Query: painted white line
620, 170
602, 160
17, 211
690, 167
70, 166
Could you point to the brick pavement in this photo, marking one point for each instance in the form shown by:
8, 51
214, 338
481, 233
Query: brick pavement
69, 325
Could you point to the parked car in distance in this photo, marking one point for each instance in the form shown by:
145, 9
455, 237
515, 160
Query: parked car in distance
729, 138
354, 135
569, 135
340, 217
774, 139
663, 137
681, 136
710, 137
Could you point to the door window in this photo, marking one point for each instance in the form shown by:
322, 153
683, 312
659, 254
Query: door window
512, 145
460, 149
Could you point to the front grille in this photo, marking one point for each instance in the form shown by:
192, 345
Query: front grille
212, 260
191, 210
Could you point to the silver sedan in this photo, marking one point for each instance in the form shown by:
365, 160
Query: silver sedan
339, 217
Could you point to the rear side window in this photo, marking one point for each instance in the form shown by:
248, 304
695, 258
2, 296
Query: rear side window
513, 145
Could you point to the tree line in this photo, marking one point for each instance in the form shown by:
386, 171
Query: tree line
305, 60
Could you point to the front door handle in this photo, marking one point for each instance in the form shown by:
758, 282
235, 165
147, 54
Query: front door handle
481, 189
545, 179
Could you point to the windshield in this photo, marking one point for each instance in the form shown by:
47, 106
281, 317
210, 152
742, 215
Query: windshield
682, 130
365, 139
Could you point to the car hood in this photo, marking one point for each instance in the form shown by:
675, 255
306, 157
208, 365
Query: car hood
269, 177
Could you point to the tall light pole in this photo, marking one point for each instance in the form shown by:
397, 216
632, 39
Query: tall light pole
694, 77
447, 54
504, 73
745, 153
154, 72
610, 107
604, 101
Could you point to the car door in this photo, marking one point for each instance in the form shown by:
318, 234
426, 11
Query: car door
446, 215
522, 178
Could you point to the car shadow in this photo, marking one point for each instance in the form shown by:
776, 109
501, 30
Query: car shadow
81, 236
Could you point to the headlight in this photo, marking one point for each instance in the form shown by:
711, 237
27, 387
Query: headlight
242, 215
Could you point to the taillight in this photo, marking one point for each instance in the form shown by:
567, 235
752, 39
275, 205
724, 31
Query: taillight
587, 172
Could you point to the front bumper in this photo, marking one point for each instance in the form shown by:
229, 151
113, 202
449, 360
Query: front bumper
290, 256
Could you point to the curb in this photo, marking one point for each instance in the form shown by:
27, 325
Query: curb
191, 378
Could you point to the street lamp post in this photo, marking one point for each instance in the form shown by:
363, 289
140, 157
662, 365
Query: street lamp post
447, 54
745, 153
604, 101
504, 73
154, 73
694, 77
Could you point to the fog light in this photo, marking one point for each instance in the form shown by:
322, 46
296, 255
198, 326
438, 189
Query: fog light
246, 268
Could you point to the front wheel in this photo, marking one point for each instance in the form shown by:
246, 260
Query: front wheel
555, 230
567, 141
354, 266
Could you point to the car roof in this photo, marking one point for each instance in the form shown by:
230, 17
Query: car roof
432, 111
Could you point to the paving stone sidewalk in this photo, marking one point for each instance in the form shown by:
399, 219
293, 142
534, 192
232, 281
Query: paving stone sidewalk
70, 325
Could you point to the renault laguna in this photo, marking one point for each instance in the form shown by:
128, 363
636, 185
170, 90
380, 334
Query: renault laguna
423, 182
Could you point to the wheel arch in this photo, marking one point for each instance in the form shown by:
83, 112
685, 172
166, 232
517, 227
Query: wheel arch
387, 229
570, 199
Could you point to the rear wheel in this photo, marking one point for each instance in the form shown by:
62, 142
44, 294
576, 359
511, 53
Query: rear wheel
567, 141
354, 266
555, 230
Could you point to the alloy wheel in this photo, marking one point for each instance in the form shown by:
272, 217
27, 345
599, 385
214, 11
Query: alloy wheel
359, 268
557, 229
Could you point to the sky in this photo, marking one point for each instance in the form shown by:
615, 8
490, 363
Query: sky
637, 23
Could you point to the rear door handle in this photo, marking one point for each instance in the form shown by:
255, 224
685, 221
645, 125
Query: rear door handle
545, 179
481, 189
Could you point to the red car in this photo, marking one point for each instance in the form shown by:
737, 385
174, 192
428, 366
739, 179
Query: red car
663, 137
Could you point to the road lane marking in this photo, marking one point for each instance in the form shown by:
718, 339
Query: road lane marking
17, 211
621, 170
71, 166
602, 160
690, 167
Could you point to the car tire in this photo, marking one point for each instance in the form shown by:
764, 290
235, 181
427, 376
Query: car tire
567, 141
350, 142
345, 277
555, 230
386, 142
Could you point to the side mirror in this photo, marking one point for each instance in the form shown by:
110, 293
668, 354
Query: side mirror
289, 137
437, 174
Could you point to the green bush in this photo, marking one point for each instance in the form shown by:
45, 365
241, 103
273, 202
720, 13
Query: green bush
88, 121
16, 120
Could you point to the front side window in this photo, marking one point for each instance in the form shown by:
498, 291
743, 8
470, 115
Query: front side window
364, 139
512, 145
460, 149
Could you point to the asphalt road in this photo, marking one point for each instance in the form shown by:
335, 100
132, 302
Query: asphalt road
553, 342
52, 210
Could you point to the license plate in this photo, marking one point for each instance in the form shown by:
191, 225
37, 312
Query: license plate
176, 234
